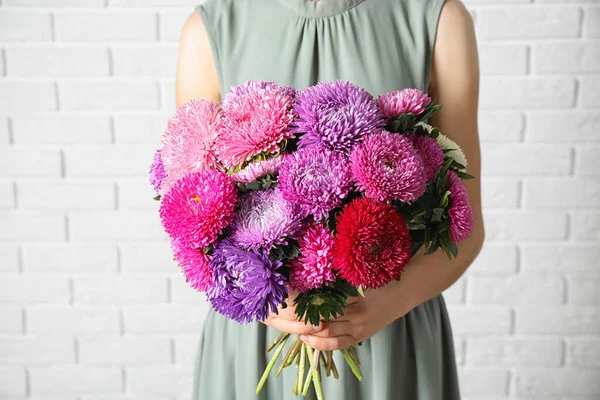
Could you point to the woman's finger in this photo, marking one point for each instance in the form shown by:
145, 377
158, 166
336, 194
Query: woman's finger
329, 343
293, 327
335, 328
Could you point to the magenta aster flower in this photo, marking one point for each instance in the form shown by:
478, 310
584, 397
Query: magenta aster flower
405, 101
314, 267
254, 122
258, 169
264, 220
387, 167
198, 207
157, 172
253, 86
195, 266
335, 115
430, 152
189, 141
459, 209
315, 179
247, 285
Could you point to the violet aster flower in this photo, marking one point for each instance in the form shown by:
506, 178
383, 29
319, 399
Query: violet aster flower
386, 166
335, 115
253, 86
405, 101
258, 169
430, 152
315, 179
459, 209
264, 220
157, 172
247, 285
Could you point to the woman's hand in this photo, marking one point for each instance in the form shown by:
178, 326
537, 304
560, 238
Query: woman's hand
287, 320
363, 318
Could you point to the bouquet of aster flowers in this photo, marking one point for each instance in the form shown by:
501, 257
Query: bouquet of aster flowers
327, 191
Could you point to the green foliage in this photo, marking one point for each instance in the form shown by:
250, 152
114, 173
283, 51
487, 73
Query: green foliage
157, 198
327, 302
262, 183
408, 123
285, 251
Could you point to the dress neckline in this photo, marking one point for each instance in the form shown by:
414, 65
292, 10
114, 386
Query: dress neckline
319, 8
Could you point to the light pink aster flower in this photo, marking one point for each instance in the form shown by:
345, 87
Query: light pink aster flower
258, 169
254, 85
430, 152
194, 264
405, 101
459, 209
189, 141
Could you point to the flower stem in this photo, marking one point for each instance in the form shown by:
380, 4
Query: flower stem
301, 368
329, 360
324, 362
336, 375
277, 340
284, 360
316, 375
352, 365
354, 356
271, 363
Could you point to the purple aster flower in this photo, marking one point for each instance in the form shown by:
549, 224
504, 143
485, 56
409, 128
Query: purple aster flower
253, 86
157, 172
247, 286
335, 115
315, 179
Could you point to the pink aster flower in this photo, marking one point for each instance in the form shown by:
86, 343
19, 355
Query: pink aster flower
405, 101
189, 141
198, 207
387, 167
430, 152
253, 86
253, 123
459, 209
314, 267
258, 169
194, 264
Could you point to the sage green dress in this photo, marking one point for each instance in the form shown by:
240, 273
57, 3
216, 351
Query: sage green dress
381, 45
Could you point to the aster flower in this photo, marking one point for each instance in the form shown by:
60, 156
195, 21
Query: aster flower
194, 264
253, 86
258, 169
335, 115
315, 179
157, 172
459, 209
387, 167
455, 152
189, 141
430, 152
247, 285
405, 101
198, 207
314, 267
254, 122
264, 220
372, 244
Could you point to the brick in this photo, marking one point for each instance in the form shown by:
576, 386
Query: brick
556, 381
46, 350
140, 128
27, 96
12, 320
559, 192
455, 294
75, 380
503, 59
150, 3
12, 381
120, 290
86, 26
165, 319
557, 320
574, 57
66, 196
577, 260
587, 163
159, 61
584, 291
172, 381
9, 258
583, 352
500, 193
171, 23
563, 126
61, 129
185, 349
73, 320
501, 126
525, 225
477, 320
500, 159
528, 22
478, 381
21, 163
20, 26
34, 290
30, 226
137, 194
70, 259
108, 95
168, 95
54, 3
5, 137
57, 61
109, 161
495, 259
115, 226
586, 225
7, 195
514, 351
181, 291
516, 290
460, 349
590, 88
128, 351
511, 93
591, 23
148, 258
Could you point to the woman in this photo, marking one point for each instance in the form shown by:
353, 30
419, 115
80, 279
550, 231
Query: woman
382, 45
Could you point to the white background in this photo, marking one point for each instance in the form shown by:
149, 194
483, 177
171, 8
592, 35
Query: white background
93, 308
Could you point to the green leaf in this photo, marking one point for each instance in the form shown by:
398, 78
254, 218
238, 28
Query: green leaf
157, 198
360, 291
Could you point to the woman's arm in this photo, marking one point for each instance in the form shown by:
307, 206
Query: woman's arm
455, 85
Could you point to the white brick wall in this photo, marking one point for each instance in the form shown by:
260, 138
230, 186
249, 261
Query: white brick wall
93, 308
